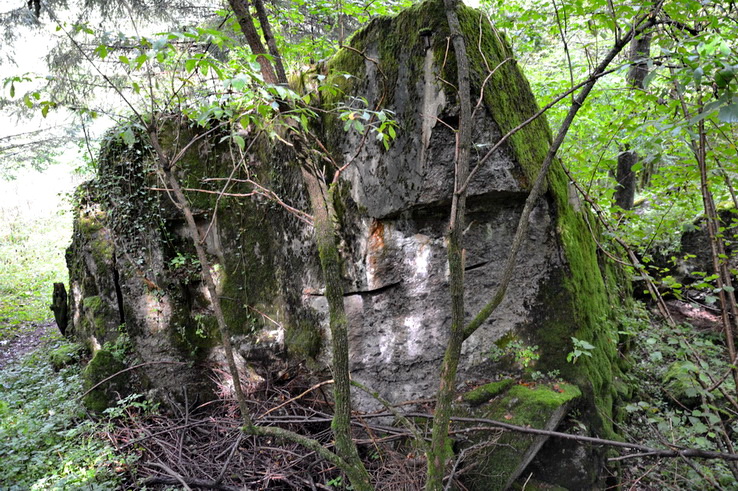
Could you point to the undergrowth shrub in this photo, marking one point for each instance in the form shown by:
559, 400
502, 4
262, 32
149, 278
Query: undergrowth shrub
46, 441
681, 380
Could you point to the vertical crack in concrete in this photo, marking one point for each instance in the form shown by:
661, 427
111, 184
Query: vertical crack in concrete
118, 291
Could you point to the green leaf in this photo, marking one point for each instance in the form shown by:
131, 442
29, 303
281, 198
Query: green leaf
141, 59
128, 137
101, 51
239, 141
647, 80
729, 113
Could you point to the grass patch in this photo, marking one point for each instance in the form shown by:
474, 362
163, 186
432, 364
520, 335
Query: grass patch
35, 229
46, 440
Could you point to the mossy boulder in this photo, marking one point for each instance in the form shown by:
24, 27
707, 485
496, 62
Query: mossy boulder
103, 394
64, 355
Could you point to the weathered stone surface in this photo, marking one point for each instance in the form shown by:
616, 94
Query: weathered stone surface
131, 264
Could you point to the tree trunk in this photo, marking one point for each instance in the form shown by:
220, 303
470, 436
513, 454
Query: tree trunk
625, 193
640, 50
164, 169
325, 236
266, 29
246, 21
447, 390
330, 261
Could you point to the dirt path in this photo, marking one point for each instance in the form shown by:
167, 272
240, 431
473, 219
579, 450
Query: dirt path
27, 340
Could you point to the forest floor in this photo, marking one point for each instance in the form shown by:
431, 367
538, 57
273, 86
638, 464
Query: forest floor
27, 338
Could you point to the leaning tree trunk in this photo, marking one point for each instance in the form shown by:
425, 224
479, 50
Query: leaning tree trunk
326, 239
165, 170
246, 21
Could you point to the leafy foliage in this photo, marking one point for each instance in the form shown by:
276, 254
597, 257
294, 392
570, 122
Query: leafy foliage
692, 54
676, 400
46, 441
581, 348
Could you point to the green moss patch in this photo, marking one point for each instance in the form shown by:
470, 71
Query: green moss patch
539, 406
485, 392
64, 355
103, 365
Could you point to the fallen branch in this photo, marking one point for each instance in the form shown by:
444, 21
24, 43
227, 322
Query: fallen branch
654, 452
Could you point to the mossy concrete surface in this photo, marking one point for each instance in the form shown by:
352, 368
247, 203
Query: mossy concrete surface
485, 392
538, 406
131, 268
103, 365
